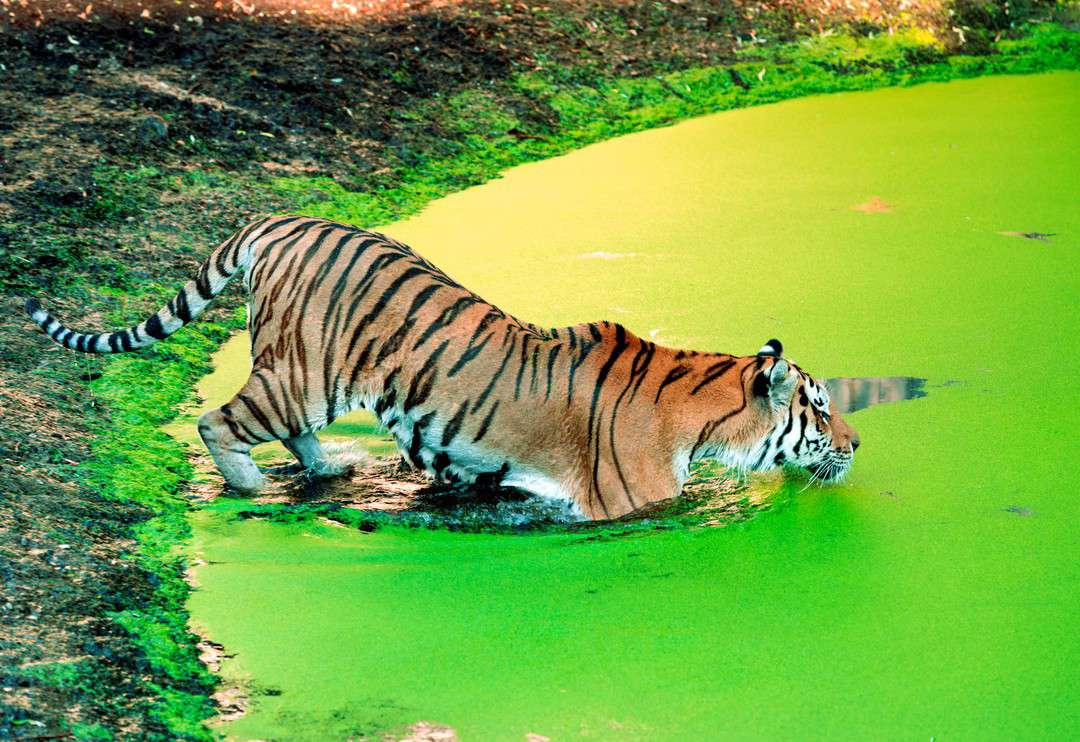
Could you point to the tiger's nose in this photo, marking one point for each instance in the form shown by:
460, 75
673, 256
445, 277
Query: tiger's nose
855, 442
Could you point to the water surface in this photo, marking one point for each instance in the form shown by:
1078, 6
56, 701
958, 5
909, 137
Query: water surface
935, 594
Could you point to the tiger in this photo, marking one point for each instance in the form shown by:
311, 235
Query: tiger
341, 319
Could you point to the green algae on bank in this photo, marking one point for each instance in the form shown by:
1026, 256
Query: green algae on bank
908, 602
483, 139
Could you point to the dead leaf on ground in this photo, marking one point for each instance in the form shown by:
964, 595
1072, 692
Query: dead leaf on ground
874, 205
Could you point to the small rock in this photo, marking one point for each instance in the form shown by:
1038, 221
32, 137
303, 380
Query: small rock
152, 128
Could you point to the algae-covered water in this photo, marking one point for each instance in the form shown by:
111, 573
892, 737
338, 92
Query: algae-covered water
934, 595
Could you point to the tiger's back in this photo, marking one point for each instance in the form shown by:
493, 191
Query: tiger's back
342, 319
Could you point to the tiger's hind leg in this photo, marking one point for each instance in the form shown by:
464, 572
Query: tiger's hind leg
312, 458
230, 442
231, 431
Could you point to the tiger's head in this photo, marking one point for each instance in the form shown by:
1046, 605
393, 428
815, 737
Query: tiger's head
802, 426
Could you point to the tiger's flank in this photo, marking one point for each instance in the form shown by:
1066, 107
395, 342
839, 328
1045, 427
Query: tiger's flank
341, 319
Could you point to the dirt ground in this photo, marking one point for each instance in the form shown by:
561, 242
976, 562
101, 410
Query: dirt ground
92, 94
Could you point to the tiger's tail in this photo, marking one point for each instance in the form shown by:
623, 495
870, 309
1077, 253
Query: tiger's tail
226, 261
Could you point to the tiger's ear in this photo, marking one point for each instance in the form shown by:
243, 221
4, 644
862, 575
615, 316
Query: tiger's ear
772, 348
776, 383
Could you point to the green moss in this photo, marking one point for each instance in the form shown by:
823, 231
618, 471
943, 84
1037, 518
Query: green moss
486, 137
134, 461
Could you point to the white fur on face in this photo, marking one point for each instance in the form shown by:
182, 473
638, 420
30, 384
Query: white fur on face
802, 436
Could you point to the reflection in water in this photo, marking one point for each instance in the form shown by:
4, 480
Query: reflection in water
850, 395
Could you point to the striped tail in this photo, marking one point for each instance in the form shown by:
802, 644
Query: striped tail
228, 259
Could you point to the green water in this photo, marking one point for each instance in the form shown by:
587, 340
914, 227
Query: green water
934, 595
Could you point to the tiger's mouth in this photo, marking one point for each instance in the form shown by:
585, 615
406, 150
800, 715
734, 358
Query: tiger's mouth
833, 468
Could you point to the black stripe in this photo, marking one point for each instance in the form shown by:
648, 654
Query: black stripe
802, 433
422, 298
535, 368
486, 424
249, 435
448, 316
154, 328
469, 355
241, 435
713, 373
339, 286
114, 341
389, 396
638, 368
761, 459
440, 464
672, 376
583, 353
183, 310
361, 360
202, 285
360, 290
272, 399
620, 346
258, 414
643, 370
417, 438
454, 425
125, 341
490, 316
395, 341
615, 461
525, 339
491, 382
552, 355
595, 488
380, 305
422, 383
240, 431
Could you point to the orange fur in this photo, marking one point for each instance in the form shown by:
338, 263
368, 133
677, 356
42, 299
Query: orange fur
341, 318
